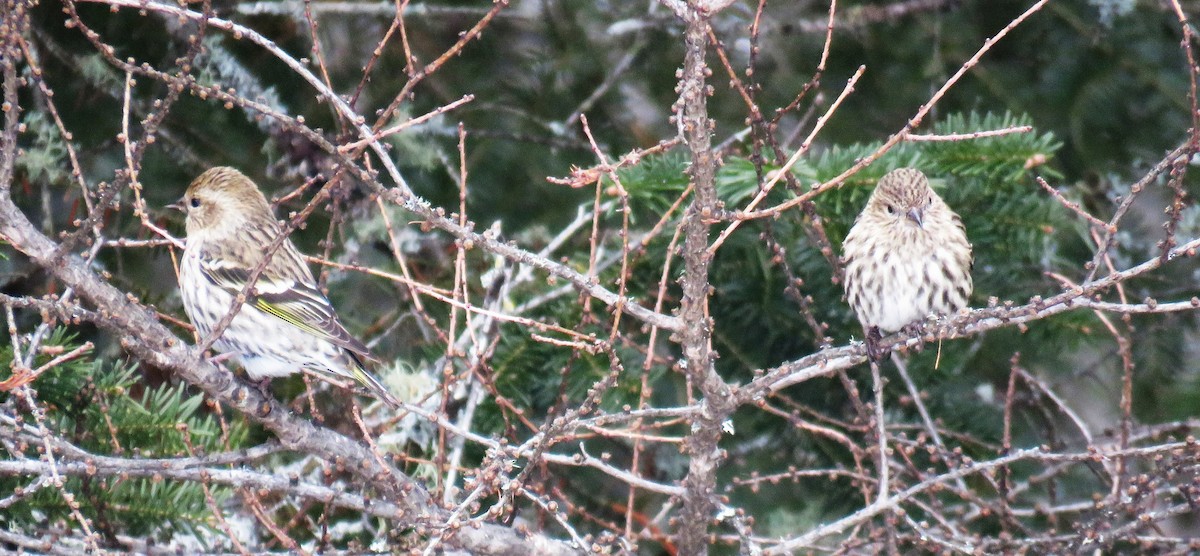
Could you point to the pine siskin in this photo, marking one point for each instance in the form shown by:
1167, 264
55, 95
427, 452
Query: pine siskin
906, 258
287, 325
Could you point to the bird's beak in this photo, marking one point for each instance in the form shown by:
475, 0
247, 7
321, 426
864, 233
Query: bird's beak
916, 215
177, 205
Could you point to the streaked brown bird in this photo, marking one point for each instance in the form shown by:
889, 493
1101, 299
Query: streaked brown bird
906, 258
287, 325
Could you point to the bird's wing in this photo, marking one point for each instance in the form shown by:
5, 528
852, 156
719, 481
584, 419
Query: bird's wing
970, 251
290, 296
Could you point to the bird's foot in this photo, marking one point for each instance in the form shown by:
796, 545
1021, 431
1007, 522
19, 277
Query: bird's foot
221, 358
875, 352
264, 387
915, 328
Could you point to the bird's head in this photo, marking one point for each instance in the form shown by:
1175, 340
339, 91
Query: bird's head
222, 200
902, 197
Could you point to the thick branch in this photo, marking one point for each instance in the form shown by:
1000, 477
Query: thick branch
695, 335
8, 50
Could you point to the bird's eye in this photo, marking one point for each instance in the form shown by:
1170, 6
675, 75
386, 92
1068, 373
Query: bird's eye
891, 209
195, 202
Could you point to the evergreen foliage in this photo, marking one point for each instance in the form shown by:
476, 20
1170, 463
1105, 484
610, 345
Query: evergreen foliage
105, 408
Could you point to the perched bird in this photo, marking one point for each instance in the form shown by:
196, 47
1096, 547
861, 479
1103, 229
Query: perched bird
286, 324
906, 258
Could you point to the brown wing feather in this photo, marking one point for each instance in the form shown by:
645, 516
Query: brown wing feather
285, 289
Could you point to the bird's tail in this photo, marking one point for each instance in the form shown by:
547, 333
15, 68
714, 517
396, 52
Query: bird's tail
361, 375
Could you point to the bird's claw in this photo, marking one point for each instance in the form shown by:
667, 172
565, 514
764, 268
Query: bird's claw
221, 358
875, 352
915, 328
264, 387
